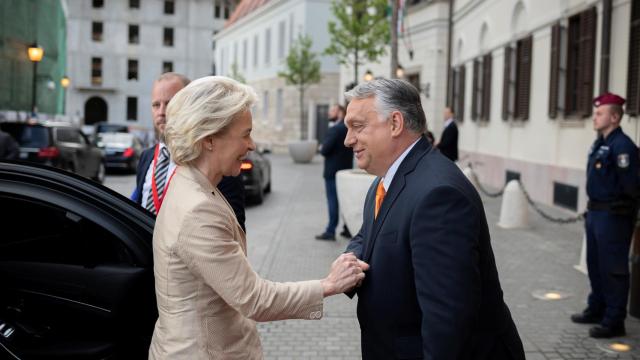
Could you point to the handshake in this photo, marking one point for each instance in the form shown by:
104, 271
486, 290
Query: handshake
346, 273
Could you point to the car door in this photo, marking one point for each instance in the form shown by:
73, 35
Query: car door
76, 268
72, 151
92, 156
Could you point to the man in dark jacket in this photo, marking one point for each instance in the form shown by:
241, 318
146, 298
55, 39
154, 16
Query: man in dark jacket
448, 144
336, 157
432, 291
149, 191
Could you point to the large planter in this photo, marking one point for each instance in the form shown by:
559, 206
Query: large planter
352, 186
303, 151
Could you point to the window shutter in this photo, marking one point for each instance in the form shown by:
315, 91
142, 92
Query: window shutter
555, 70
475, 92
461, 77
586, 61
505, 82
523, 78
633, 70
486, 87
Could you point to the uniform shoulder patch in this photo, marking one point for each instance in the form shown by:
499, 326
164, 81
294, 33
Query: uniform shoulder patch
623, 161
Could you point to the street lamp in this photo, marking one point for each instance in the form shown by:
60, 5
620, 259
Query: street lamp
65, 82
368, 76
400, 72
35, 55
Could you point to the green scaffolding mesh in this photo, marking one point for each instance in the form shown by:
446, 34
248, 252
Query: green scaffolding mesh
22, 23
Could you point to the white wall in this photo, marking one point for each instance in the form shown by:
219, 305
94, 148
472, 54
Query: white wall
306, 17
192, 54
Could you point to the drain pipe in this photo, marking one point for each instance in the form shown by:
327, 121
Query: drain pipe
449, 41
605, 51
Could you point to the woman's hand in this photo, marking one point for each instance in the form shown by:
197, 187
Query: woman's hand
346, 272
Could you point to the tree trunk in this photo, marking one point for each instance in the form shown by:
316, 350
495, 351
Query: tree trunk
355, 65
394, 39
303, 129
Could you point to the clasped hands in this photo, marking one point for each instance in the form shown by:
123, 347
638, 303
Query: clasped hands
346, 273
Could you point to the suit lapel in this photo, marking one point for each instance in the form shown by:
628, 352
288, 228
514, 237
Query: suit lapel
397, 185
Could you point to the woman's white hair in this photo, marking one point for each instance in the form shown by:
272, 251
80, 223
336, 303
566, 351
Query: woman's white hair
204, 107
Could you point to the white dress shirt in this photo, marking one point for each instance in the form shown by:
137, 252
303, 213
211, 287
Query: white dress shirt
388, 177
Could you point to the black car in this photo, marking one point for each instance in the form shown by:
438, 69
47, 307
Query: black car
80, 283
121, 150
256, 176
59, 145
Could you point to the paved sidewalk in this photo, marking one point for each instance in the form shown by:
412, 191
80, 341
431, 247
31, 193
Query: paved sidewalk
282, 248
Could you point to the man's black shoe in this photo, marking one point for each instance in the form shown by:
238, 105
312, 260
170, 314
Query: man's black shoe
325, 236
345, 232
586, 317
605, 332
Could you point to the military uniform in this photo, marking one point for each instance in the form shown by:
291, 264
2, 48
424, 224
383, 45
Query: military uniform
612, 183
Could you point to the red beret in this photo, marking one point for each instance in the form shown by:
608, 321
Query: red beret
608, 99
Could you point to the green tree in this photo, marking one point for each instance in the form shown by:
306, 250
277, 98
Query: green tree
302, 70
361, 32
236, 74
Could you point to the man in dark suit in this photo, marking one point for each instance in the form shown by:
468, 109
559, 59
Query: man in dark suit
432, 290
336, 157
146, 192
448, 144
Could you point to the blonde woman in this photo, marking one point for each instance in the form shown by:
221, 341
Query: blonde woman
208, 295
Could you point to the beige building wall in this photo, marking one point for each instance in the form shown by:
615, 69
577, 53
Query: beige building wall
544, 151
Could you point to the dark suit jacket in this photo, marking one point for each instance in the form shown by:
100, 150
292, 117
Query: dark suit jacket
448, 144
231, 186
336, 155
432, 291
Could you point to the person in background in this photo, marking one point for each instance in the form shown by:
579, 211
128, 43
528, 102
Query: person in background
208, 296
612, 188
336, 157
156, 166
448, 144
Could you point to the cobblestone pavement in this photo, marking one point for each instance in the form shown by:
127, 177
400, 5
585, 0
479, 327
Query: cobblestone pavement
282, 248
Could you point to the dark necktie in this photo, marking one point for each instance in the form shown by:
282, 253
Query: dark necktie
160, 175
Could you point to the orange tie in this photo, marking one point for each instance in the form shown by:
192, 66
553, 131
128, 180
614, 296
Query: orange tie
380, 193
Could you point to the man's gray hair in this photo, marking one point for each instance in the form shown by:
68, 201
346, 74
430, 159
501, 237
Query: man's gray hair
393, 95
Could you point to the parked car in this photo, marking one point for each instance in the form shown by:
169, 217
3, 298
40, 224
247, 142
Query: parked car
59, 145
256, 176
104, 127
76, 265
121, 150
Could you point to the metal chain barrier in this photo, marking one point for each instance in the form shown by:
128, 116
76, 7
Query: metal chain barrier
535, 207
570, 220
485, 191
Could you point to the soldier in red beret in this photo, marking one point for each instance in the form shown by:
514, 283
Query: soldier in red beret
612, 184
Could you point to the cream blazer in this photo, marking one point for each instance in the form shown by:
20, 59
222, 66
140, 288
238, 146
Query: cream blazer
209, 297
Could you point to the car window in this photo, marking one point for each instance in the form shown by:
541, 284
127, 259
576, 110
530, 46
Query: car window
60, 237
31, 136
116, 139
68, 135
112, 128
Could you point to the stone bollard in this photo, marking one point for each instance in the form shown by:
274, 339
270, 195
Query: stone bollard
514, 212
468, 172
582, 264
352, 186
